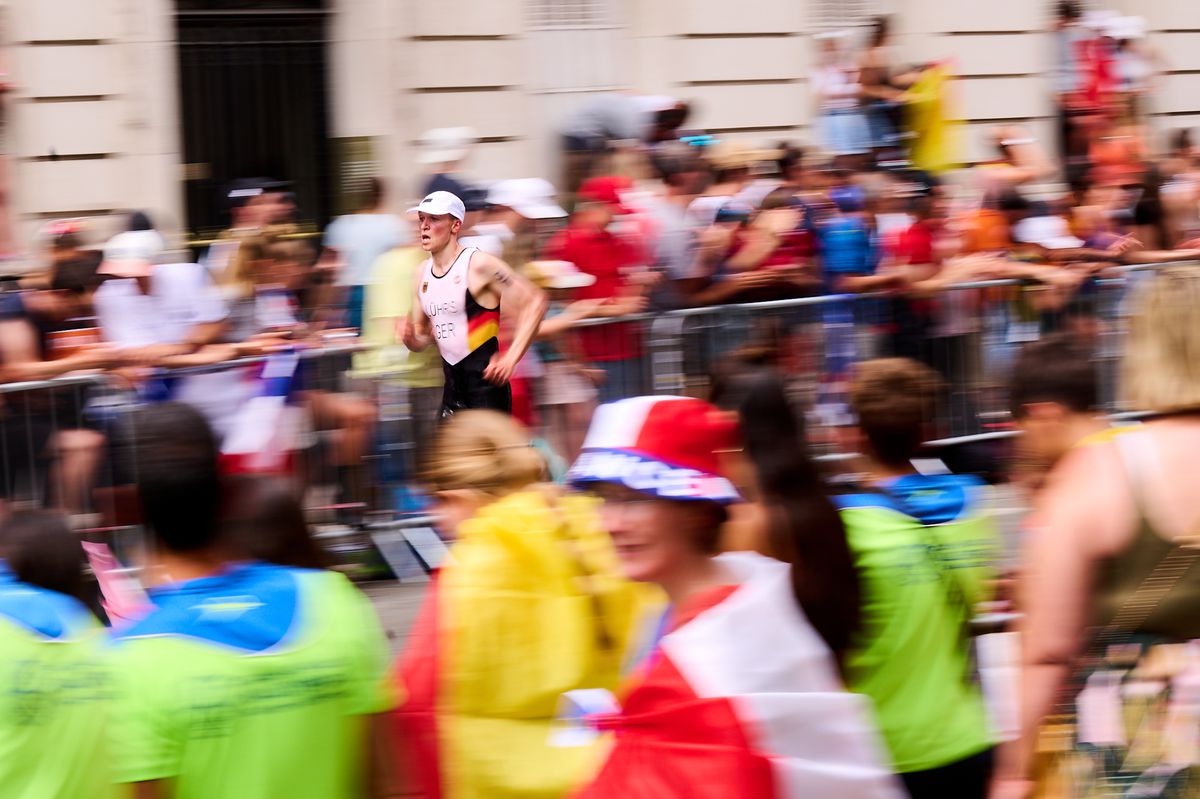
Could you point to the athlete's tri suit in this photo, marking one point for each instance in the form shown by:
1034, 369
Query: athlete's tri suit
465, 333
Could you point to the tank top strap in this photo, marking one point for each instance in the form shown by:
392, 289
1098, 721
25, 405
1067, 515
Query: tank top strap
1123, 576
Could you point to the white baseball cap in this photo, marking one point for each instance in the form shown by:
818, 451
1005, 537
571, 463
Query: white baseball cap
132, 254
532, 198
440, 203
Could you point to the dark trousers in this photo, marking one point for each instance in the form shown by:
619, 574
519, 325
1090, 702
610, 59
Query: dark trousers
962, 779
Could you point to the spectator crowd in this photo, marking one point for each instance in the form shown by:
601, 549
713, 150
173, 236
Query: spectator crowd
645, 595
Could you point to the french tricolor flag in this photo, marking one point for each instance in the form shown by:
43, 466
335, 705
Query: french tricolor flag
741, 699
262, 436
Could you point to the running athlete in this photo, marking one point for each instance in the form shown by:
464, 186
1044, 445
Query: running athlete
459, 290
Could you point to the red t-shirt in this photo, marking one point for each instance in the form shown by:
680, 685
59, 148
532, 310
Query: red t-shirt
915, 244
605, 257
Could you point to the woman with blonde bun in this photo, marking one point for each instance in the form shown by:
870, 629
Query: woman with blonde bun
528, 606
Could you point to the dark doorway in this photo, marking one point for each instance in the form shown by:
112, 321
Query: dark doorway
254, 103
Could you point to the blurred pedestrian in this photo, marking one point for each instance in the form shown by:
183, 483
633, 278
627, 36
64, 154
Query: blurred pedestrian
1054, 399
842, 127
443, 152
39, 428
1069, 36
254, 204
879, 90
566, 392
515, 211
601, 124
528, 606
674, 252
359, 239
924, 549
702, 712
788, 511
55, 707
459, 311
1108, 566
247, 678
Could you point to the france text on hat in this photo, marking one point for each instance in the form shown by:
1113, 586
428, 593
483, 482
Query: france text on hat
668, 447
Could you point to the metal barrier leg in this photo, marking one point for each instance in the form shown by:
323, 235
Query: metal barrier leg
666, 355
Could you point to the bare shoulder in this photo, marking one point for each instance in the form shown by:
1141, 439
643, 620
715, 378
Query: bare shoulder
485, 261
489, 270
1088, 499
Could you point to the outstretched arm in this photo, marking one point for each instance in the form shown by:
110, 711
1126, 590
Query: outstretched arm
518, 296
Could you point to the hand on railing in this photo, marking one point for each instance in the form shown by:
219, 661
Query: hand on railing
622, 306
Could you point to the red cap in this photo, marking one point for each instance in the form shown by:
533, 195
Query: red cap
606, 190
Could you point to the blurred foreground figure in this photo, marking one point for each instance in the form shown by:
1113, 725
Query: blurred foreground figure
924, 549
1054, 397
737, 695
528, 606
1112, 543
55, 699
247, 679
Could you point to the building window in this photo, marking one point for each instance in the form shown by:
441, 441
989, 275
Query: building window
844, 15
557, 15
575, 46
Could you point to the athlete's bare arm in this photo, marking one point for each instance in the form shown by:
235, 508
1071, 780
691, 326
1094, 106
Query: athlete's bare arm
416, 332
491, 281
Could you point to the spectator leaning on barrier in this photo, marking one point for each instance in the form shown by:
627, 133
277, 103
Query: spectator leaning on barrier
675, 249
168, 315
509, 229
263, 315
156, 313
247, 679
41, 426
359, 239
615, 262
566, 393
253, 204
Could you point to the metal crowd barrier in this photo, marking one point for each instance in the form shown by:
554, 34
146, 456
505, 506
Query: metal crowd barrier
970, 333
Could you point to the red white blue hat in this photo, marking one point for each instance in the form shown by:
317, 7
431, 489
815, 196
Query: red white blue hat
668, 447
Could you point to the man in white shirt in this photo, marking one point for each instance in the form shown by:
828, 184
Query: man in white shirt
168, 315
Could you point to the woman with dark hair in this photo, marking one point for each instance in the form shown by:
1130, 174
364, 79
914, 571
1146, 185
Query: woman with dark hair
266, 523
39, 549
802, 525
54, 707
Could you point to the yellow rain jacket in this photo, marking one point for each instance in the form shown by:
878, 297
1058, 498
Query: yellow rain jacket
529, 605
